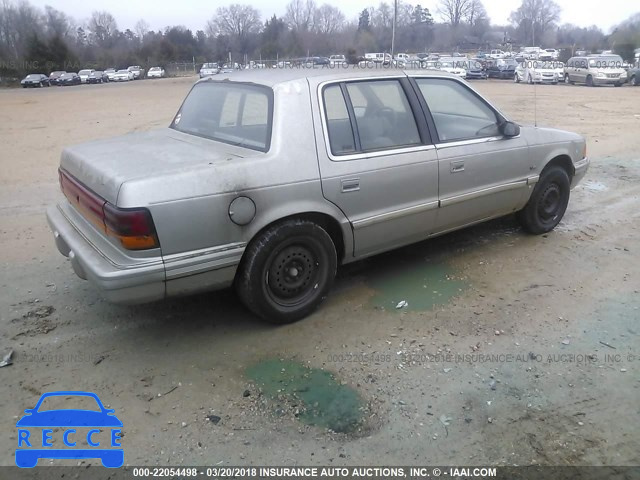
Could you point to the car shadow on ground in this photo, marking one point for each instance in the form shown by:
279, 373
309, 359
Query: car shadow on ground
223, 309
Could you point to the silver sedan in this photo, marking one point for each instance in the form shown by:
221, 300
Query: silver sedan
269, 179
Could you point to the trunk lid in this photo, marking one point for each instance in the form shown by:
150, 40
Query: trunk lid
104, 166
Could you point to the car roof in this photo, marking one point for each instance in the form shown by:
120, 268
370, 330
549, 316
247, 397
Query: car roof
276, 76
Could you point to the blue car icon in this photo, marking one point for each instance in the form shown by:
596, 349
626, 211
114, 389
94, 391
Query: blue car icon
32, 447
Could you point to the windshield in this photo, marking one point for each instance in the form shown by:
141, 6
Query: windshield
237, 114
68, 75
123, 71
210, 65
33, 76
84, 72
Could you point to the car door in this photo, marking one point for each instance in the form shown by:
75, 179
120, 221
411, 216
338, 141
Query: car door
482, 173
377, 161
580, 69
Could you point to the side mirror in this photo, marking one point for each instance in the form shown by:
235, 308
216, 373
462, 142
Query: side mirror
510, 129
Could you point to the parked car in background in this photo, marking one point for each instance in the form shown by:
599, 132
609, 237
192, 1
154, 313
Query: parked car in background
633, 74
98, 76
337, 60
548, 54
454, 67
502, 68
596, 70
69, 78
123, 76
475, 70
84, 74
35, 80
537, 71
230, 67
209, 69
496, 54
137, 70
54, 76
530, 53
111, 73
156, 72
378, 58
133, 225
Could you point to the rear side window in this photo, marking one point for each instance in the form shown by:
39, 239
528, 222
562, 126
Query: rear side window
378, 110
237, 114
383, 115
457, 112
338, 122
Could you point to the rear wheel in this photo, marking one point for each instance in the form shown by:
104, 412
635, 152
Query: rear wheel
590, 81
287, 271
548, 202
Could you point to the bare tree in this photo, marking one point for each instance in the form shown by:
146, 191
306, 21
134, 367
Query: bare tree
383, 16
476, 13
238, 22
102, 25
328, 19
535, 17
57, 23
454, 11
299, 15
141, 28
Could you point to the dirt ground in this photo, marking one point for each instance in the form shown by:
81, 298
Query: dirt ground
514, 349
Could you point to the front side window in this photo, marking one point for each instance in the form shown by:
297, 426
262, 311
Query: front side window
457, 112
238, 114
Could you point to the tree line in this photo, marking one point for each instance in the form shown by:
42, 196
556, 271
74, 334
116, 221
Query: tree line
52, 39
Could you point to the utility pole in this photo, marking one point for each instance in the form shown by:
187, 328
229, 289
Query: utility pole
393, 28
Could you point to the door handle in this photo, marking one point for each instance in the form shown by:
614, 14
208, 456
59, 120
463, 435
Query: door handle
350, 185
457, 167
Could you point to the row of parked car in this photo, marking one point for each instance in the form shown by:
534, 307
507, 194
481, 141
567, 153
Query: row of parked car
590, 70
90, 76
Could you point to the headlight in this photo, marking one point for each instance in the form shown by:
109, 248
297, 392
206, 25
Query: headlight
601, 75
623, 75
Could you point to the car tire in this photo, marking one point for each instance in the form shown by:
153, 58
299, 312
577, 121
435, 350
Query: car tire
548, 202
590, 81
633, 81
287, 271
617, 84
530, 80
516, 78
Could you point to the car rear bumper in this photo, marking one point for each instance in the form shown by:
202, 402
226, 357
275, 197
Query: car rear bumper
132, 280
121, 279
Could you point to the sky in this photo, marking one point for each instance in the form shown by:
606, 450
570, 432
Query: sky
194, 14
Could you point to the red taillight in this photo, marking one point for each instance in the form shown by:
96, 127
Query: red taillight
133, 227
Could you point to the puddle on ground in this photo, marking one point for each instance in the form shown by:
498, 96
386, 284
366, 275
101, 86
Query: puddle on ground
423, 285
594, 186
322, 400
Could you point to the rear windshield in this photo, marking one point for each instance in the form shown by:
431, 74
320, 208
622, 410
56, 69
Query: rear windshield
235, 113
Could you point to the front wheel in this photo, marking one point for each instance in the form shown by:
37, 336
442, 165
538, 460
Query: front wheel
516, 78
548, 202
590, 81
287, 271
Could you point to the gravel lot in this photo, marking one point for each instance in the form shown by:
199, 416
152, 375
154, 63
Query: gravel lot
549, 325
